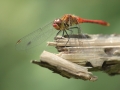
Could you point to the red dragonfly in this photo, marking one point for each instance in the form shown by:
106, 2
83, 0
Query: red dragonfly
62, 24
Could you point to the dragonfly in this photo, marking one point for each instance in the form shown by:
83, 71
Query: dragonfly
66, 22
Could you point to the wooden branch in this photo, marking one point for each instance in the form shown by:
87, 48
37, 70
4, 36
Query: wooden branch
98, 52
101, 52
90, 40
64, 67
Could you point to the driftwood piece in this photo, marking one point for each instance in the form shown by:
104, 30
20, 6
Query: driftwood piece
98, 52
64, 67
101, 52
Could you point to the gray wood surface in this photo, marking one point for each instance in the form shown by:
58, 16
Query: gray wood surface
84, 54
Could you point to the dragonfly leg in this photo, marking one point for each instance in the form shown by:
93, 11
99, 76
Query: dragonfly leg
80, 34
58, 33
68, 36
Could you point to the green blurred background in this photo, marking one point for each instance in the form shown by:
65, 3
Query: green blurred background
20, 17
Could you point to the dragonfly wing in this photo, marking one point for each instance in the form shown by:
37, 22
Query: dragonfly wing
35, 38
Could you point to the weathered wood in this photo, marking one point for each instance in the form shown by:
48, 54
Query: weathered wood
95, 51
92, 40
64, 67
98, 52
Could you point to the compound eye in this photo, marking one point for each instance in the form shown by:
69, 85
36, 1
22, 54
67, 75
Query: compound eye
57, 21
57, 24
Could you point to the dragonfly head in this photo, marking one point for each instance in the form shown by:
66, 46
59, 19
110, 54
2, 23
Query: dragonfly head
57, 24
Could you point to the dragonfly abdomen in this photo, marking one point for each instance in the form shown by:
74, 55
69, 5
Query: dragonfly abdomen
101, 22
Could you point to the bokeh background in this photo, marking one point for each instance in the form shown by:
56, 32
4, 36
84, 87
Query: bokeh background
20, 17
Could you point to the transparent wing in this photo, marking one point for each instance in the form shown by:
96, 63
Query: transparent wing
35, 38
